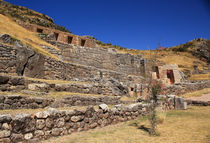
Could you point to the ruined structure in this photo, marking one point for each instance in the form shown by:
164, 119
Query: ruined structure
168, 74
63, 37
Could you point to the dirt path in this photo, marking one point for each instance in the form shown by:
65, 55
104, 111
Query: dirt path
204, 97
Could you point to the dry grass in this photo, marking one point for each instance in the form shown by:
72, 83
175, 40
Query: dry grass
197, 93
13, 112
7, 26
181, 126
200, 77
66, 94
51, 94
55, 81
183, 59
126, 98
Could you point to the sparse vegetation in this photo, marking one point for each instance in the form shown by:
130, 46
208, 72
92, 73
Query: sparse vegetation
180, 126
197, 93
24, 35
20, 13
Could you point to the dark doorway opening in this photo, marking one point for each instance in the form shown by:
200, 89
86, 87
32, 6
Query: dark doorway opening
39, 30
83, 42
132, 89
170, 75
69, 39
157, 72
56, 36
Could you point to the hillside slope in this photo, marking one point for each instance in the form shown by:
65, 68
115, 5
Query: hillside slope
20, 13
195, 53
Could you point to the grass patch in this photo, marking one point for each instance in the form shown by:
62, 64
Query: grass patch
197, 93
66, 94
51, 94
179, 127
13, 112
55, 81
200, 77
126, 98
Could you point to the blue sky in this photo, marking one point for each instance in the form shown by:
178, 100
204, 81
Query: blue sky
134, 24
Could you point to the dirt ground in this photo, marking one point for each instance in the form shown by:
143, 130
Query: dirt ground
204, 97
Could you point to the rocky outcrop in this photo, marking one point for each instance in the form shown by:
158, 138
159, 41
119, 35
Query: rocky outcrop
20, 59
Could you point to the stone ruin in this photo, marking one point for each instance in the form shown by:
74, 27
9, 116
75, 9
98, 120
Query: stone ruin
169, 74
63, 37
87, 70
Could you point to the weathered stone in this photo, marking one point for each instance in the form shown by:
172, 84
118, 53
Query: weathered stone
5, 118
49, 122
23, 55
93, 125
104, 107
5, 133
52, 111
5, 140
134, 107
17, 81
2, 99
42, 115
6, 38
28, 136
16, 137
23, 123
60, 122
57, 131
40, 124
5, 126
39, 87
38, 133
77, 118
3, 79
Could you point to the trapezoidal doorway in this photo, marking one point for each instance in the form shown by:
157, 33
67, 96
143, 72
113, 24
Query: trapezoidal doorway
170, 76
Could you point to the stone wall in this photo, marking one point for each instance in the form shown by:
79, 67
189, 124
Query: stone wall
23, 102
67, 71
60, 36
186, 87
43, 125
169, 74
23, 61
26, 102
104, 59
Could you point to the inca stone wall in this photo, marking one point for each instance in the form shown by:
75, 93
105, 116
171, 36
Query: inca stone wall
183, 88
60, 36
46, 124
104, 59
25, 102
23, 61
43, 125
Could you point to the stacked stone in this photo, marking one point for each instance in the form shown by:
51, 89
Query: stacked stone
20, 102
43, 125
186, 87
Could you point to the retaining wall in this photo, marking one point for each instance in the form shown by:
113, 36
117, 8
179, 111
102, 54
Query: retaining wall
43, 125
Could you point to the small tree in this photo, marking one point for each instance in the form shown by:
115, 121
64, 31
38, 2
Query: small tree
155, 88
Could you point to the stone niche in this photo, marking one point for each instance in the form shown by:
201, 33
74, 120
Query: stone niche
63, 37
168, 74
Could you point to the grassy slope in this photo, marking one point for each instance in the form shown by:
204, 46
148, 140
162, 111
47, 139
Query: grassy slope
184, 59
20, 13
179, 126
7, 26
